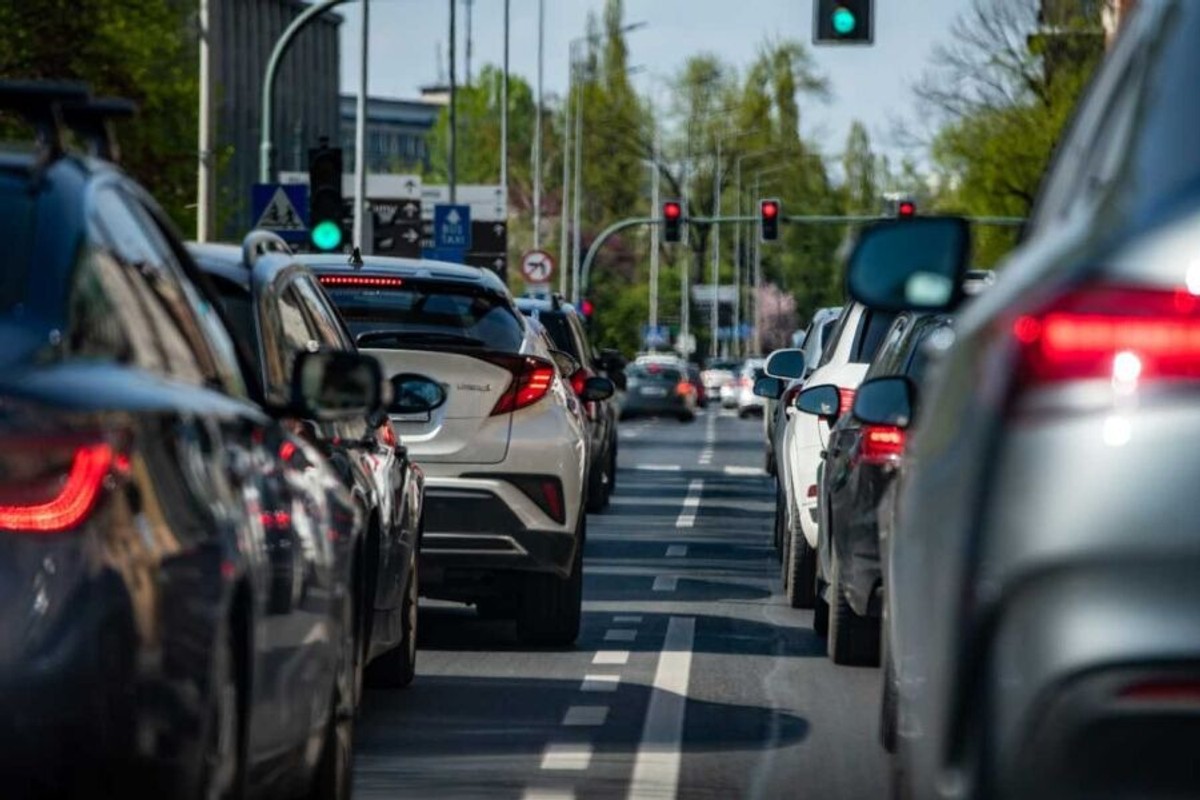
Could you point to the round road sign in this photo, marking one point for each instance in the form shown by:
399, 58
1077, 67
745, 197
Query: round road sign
537, 266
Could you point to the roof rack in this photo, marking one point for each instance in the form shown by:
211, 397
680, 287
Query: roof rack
258, 243
93, 120
40, 103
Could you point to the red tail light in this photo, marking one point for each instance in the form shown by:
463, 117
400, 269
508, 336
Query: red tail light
532, 379
881, 444
683, 389
387, 434
45, 493
745, 382
1182, 691
845, 400
361, 281
579, 381
1122, 334
276, 520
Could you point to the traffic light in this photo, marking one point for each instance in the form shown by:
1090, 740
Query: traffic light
844, 21
325, 231
587, 308
768, 220
906, 208
672, 214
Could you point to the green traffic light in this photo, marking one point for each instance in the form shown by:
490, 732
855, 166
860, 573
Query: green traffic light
327, 235
844, 21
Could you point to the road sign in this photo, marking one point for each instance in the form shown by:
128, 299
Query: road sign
452, 255
488, 236
656, 337
282, 209
496, 262
397, 227
452, 227
537, 266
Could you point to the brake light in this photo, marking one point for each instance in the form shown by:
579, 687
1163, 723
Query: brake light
532, 379
845, 401
361, 281
1164, 691
552, 494
387, 434
1117, 333
38, 500
579, 381
881, 444
683, 389
276, 520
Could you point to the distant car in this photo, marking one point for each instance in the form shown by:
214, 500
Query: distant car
278, 309
697, 381
564, 325
660, 390
718, 373
747, 402
504, 449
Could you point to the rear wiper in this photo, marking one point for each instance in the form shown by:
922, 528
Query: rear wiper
416, 337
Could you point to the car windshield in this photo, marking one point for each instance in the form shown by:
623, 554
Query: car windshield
442, 311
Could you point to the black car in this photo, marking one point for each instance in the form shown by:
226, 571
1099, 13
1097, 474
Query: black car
565, 327
174, 562
860, 463
277, 309
659, 389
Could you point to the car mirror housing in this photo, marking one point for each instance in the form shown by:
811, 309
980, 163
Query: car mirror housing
597, 389
914, 264
785, 364
332, 385
822, 401
416, 394
885, 401
770, 388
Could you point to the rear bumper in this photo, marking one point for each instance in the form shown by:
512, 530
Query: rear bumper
672, 404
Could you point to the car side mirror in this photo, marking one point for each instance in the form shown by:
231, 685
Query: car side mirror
770, 388
822, 401
885, 401
333, 385
914, 264
785, 364
415, 394
597, 388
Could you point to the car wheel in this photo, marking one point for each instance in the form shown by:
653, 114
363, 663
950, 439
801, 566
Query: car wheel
888, 703
598, 483
852, 640
396, 668
777, 534
496, 608
802, 570
551, 608
222, 766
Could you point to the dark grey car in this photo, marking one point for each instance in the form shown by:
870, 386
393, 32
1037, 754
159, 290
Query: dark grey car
1042, 581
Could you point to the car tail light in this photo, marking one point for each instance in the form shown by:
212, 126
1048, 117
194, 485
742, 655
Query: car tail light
1173, 691
276, 520
48, 487
361, 281
546, 491
881, 444
683, 389
745, 382
845, 400
579, 381
1122, 334
387, 434
532, 379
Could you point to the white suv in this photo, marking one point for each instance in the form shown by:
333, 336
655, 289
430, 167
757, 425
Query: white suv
845, 357
505, 448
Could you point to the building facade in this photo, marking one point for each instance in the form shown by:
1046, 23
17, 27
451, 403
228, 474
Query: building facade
243, 34
398, 136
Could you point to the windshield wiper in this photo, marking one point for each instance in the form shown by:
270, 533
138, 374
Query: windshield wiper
417, 337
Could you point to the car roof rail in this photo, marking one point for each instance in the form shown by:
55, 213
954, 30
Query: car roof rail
258, 243
92, 120
40, 103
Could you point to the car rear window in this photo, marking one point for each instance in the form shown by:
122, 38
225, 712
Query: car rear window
16, 231
654, 373
473, 314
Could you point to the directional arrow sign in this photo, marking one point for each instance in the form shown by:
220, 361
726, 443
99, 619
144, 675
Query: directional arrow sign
411, 210
452, 227
411, 236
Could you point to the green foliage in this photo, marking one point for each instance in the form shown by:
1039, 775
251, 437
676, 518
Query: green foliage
138, 49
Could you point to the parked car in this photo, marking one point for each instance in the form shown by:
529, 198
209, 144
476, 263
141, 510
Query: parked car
718, 373
565, 327
278, 309
1042, 613
658, 389
504, 451
845, 357
747, 402
176, 563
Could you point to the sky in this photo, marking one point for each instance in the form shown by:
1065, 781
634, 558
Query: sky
872, 84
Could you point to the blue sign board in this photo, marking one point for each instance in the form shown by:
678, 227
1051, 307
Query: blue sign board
452, 255
656, 337
452, 227
282, 208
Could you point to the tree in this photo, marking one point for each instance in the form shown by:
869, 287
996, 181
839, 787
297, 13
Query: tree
138, 49
861, 173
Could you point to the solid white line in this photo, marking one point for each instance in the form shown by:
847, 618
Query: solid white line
600, 683
585, 716
572, 756
620, 635
656, 769
665, 583
548, 794
658, 467
627, 619
687, 517
677, 551
611, 657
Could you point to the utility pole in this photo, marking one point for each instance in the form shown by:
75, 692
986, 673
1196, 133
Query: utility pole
204, 177
655, 211
537, 129
565, 212
755, 289
470, 4
716, 257
504, 110
453, 160
360, 134
578, 201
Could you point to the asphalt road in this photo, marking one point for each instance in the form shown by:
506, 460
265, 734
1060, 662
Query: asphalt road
692, 678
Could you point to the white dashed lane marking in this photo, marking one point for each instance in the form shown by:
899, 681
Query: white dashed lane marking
620, 635
567, 756
691, 504
656, 769
600, 683
677, 551
585, 716
665, 583
611, 657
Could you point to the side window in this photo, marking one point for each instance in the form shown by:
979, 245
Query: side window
830, 344
95, 327
293, 334
323, 317
586, 356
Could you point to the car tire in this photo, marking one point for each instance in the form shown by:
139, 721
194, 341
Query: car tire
802, 570
598, 483
396, 668
497, 608
687, 416
888, 701
852, 640
550, 609
221, 767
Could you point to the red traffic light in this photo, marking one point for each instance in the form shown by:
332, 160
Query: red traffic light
907, 208
770, 209
672, 211
587, 307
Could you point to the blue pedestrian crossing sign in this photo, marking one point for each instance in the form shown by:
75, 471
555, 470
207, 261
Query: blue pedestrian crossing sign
282, 208
452, 227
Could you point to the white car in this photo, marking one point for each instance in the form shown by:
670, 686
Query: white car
747, 401
847, 353
505, 448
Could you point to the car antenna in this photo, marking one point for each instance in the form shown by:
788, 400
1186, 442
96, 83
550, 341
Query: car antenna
356, 259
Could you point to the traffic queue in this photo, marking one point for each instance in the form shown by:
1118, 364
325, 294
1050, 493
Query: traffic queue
229, 472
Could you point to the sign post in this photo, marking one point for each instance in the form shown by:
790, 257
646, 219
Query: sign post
281, 208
